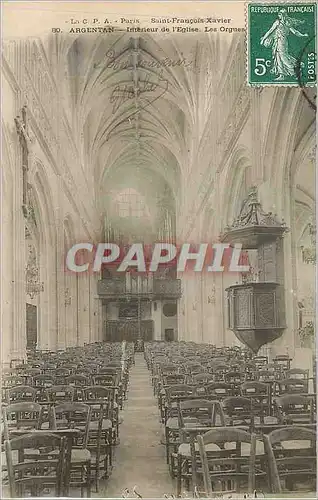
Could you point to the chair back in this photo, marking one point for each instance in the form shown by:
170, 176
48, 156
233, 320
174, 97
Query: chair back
43, 381
20, 393
199, 413
292, 459
21, 416
60, 393
77, 380
228, 458
293, 409
283, 360
173, 379
73, 416
35, 463
100, 397
106, 380
220, 390
239, 411
291, 385
234, 377
61, 375
297, 373
259, 394
12, 381
219, 370
260, 361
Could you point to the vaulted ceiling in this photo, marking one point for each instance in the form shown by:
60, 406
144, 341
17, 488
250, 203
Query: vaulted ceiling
134, 100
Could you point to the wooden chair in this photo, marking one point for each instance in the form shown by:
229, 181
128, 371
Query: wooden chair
266, 375
23, 415
21, 393
194, 416
250, 370
200, 380
228, 460
99, 397
35, 463
219, 390
219, 371
238, 411
166, 381
28, 373
78, 381
234, 377
293, 409
260, 361
291, 386
283, 360
174, 394
76, 415
100, 432
292, 458
60, 393
297, 373
61, 375
9, 381
259, 394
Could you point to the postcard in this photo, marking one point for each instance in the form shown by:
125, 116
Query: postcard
158, 222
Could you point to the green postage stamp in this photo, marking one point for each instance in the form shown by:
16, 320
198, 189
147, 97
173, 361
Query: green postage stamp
281, 43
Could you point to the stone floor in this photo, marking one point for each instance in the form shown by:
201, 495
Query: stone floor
140, 457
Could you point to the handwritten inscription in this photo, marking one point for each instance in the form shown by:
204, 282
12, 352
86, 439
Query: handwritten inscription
128, 91
113, 61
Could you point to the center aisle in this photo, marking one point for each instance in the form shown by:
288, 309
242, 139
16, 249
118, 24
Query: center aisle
139, 459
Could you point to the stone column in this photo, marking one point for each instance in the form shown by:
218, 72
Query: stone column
70, 309
156, 316
99, 321
18, 344
7, 275
83, 308
60, 269
93, 307
103, 322
45, 341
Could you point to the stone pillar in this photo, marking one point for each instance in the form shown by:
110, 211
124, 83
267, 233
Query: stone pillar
70, 309
93, 307
84, 308
44, 339
99, 321
7, 275
156, 316
18, 345
103, 322
60, 266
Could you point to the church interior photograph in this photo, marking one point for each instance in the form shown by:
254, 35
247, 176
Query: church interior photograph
130, 382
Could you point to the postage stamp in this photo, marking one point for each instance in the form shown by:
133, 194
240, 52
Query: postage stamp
281, 44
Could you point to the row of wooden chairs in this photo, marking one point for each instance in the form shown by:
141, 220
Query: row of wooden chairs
74, 426
205, 400
232, 459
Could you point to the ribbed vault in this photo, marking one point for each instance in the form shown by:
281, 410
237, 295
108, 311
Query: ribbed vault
134, 101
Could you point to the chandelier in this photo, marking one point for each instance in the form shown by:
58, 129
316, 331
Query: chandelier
33, 285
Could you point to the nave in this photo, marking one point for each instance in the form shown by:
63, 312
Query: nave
140, 455
179, 419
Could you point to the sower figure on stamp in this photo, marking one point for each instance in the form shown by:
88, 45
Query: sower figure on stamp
284, 64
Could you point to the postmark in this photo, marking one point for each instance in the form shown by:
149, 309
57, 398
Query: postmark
281, 44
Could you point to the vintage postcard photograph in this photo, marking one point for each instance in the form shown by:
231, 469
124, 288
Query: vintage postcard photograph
158, 249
